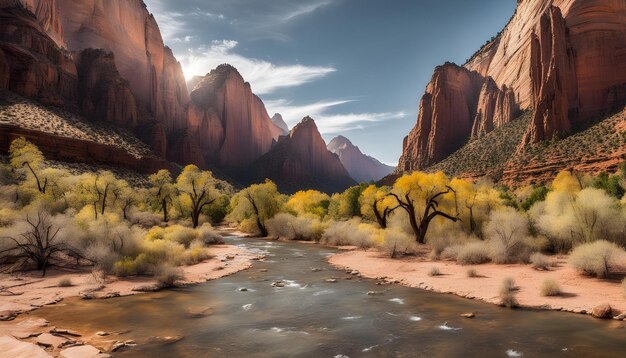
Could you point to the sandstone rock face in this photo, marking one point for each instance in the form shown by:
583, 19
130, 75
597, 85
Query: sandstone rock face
31, 64
496, 107
361, 167
279, 122
553, 79
446, 116
301, 160
563, 59
230, 123
125, 28
185, 148
103, 94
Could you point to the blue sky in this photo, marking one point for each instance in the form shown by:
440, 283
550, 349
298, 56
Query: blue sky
358, 67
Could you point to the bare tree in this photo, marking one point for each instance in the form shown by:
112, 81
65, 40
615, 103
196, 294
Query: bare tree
40, 245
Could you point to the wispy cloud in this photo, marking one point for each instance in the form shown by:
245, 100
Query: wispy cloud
265, 77
303, 10
326, 122
173, 24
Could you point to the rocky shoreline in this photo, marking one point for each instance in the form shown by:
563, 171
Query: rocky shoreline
24, 334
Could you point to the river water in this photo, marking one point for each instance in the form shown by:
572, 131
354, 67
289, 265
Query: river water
309, 317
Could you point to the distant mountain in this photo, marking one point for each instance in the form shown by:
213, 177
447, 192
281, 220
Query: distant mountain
361, 167
301, 161
280, 123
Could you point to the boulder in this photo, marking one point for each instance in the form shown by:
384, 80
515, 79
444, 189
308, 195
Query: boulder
49, 340
85, 351
11, 347
602, 311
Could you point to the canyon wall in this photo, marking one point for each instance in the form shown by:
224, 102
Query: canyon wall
565, 60
228, 121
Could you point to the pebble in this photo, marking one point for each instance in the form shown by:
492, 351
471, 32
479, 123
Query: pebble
468, 315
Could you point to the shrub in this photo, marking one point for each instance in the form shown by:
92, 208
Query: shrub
125, 267
347, 233
597, 258
395, 242
472, 273
159, 251
445, 239
549, 287
65, 282
474, 253
540, 261
195, 254
538, 194
208, 235
290, 227
167, 275
507, 293
506, 233
434, 271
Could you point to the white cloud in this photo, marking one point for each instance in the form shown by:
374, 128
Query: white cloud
303, 10
328, 123
264, 76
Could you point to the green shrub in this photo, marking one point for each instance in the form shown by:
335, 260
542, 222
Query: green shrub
597, 258
538, 194
472, 273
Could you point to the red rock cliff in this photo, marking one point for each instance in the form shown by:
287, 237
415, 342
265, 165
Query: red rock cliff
229, 122
127, 29
31, 64
301, 161
563, 59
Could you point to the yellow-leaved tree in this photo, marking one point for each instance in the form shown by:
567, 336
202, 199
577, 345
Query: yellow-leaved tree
197, 190
25, 156
256, 204
162, 191
424, 197
309, 202
475, 201
377, 204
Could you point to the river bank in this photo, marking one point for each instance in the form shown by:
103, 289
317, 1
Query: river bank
20, 294
580, 294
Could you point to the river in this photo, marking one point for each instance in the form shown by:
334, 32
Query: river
248, 317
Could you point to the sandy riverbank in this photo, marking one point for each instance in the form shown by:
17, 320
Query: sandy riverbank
25, 292
580, 294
